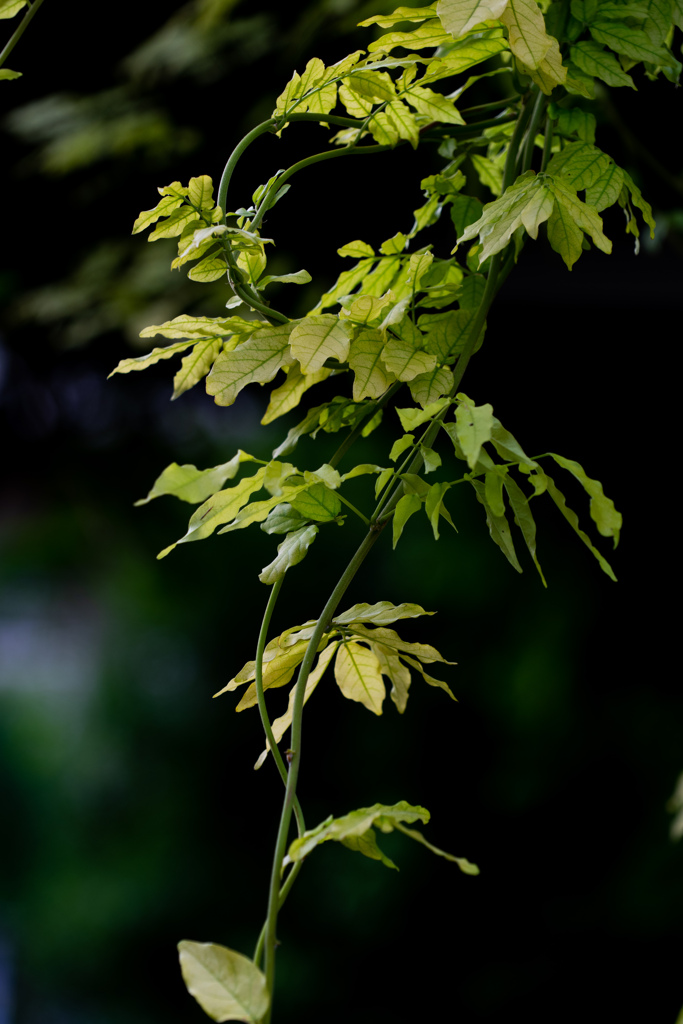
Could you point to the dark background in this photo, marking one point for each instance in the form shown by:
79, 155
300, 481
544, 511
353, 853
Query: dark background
131, 813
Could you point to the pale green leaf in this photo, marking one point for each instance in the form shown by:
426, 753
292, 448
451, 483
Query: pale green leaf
434, 506
381, 614
375, 85
356, 249
550, 71
525, 203
474, 427
392, 246
433, 105
142, 362
527, 36
430, 33
493, 489
362, 470
426, 388
257, 511
218, 509
8, 8
196, 365
430, 680
389, 20
173, 225
367, 310
466, 866
288, 395
298, 277
447, 333
164, 208
7, 75
383, 129
290, 552
211, 268
356, 106
405, 360
367, 845
569, 207
508, 447
579, 165
602, 510
413, 418
430, 458
564, 235
639, 202
490, 174
226, 984
396, 672
282, 724
200, 192
195, 327
257, 360
356, 823
194, 485
404, 122
465, 56
279, 665
459, 16
390, 638
358, 675
371, 378
317, 338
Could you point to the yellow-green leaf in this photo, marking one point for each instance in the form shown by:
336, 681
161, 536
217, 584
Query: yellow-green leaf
226, 984
257, 360
317, 338
359, 677
474, 426
196, 365
194, 485
459, 16
527, 36
371, 378
288, 395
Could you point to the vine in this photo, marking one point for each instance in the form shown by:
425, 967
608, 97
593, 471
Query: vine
405, 322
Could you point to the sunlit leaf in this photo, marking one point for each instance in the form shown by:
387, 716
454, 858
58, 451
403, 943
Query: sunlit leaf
432, 104
288, 395
390, 638
290, 552
499, 528
474, 427
317, 338
218, 509
396, 672
195, 327
142, 362
524, 519
194, 485
257, 360
380, 614
358, 675
413, 418
163, 209
389, 20
459, 16
317, 502
200, 192
356, 823
226, 984
371, 378
405, 360
527, 36
196, 365
602, 510
211, 268
279, 663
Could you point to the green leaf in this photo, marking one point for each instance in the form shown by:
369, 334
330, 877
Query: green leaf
407, 506
298, 277
527, 202
490, 174
593, 59
279, 665
226, 984
317, 502
194, 485
399, 446
602, 510
573, 520
579, 165
465, 865
631, 42
524, 519
465, 56
356, 823
403, 359
381, 614
430, 680
196, 366
142, 362
390, 638
367, 845
281, 724
508, 447
413, 418
434, 507
459, 16
317, 338
571, 217
493, 489
8, 8
498, 528
283, 519
399, 15
290, 552
433, 105
164, 208
396, 672
288, 395
426, 388
550, 71
173, 225
7, 75
356, 249
200, 192
219, 508
211, 268
474, 427
196, 327
257, 360
639, 202
371, 378
358, 675
430, 33
527, 36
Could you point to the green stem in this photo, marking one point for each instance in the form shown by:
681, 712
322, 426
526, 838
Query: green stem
19, 30
536, 115
284, 893
547, 142
260, 696
373, 409
295, 757
354, 509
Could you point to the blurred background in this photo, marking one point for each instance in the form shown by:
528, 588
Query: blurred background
131, 815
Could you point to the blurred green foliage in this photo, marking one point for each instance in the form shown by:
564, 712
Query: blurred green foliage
126, 791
